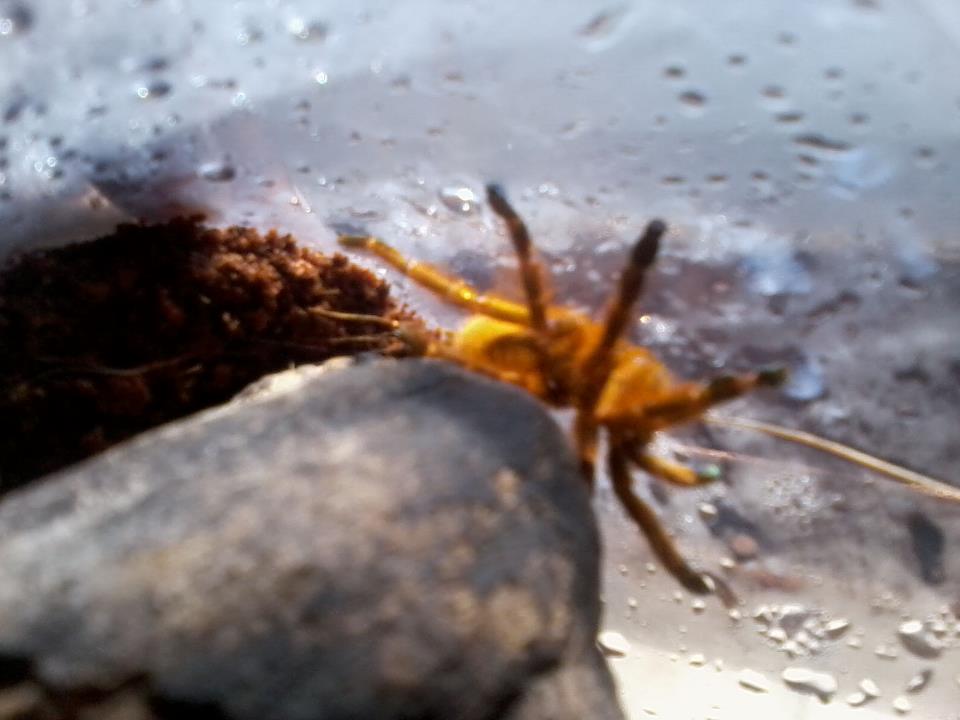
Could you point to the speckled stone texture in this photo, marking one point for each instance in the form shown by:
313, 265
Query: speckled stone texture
388, 540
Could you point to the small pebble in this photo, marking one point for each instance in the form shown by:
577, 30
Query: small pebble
869, 688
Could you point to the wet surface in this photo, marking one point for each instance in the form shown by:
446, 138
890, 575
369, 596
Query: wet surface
804, 154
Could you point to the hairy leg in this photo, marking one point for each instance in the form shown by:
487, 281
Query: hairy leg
597, 367
643, 515
448, 287
691, 400
530, 273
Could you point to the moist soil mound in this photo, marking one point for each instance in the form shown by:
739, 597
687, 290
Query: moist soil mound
104, 339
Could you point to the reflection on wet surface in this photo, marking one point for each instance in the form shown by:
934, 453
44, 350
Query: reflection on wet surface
804, 155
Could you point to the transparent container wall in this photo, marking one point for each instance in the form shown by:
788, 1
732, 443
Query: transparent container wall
805, 155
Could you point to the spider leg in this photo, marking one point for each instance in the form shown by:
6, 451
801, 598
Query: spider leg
597, 367
691, 401
585, 433
666, 550
530, 272
450, 288
674, 473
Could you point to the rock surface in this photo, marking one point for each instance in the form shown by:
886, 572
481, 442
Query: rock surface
389, 540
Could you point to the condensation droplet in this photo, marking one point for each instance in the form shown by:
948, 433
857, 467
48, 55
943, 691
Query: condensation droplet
736, 59
816, 141
925, 156
805, 382
856, 699
790, 117
836, 628
918, 640
15, 18
693, 99
613, 644
459, 199
153, 90
902, 705
217, 171
307, 30
823, 685
753, 680
886, 652
869, 688
919, 681
674, 72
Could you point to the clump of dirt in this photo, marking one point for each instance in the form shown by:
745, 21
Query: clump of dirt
104, 339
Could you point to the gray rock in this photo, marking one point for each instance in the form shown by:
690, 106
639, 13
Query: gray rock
390, 540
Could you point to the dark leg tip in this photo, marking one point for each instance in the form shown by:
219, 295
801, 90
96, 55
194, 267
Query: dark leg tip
648, 244
773, 377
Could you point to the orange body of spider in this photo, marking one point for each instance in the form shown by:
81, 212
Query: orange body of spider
569, 360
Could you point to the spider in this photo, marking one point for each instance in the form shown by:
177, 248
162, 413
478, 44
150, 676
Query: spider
568, 360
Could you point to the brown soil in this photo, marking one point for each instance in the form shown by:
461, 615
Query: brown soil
104, 339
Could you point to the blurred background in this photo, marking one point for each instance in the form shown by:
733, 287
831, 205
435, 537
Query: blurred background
805, 156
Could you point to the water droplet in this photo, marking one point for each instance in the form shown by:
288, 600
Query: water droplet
307, 30
925, 156
786, 38
217, 171
320, 77
613, 644
603, 23
836, 628
15, 18
693, 99
154, 89
823, 685
249, 34
459, 199
856, 699
697, 660
743, 546
805, 381
773, 92
886, 652
902, 705
869, 688
736, 59
674, 72
919, 681
753, 680
918, 640
816, 141
833, 73
859, 118
791, 117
